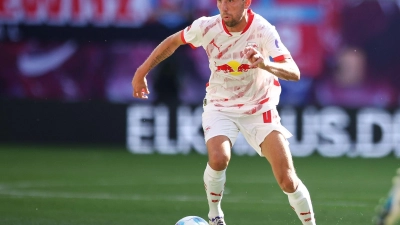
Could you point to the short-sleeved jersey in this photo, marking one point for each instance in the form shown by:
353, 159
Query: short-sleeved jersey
233, 85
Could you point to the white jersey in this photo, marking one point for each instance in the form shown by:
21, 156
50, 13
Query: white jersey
233, 85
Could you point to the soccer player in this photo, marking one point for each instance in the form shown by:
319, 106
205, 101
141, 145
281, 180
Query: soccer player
241, 95
389, 210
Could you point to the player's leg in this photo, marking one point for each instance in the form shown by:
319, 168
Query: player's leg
276, 151
219, 154
393, 216
389, 211
220, 133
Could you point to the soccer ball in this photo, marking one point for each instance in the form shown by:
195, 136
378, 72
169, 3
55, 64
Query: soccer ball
191, 220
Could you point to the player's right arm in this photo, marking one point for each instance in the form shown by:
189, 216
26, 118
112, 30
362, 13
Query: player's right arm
165, 49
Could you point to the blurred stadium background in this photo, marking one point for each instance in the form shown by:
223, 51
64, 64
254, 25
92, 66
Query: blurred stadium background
76, 148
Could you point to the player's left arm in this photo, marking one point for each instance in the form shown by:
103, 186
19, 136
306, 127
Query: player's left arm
285, 69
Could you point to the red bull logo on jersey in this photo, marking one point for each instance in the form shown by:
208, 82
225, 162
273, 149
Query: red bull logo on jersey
233, 67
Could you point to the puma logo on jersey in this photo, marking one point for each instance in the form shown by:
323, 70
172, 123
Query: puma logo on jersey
215, 45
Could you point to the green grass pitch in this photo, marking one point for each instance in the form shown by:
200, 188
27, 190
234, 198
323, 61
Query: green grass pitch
108, 185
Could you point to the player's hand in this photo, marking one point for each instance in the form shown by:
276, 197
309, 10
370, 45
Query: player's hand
254, 56
139, 85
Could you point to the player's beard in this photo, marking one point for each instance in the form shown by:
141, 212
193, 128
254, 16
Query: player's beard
233, 22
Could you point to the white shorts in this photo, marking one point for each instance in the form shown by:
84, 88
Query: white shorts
253, 127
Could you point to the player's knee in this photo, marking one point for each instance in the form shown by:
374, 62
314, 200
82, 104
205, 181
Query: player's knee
218, 161
288, 183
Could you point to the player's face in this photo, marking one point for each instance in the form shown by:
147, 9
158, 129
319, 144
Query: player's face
232, 12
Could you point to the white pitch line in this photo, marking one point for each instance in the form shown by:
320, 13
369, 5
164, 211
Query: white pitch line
38, 184
99, 196
169, 198
25, 189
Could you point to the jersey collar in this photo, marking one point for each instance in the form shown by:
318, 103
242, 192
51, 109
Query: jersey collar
251, 17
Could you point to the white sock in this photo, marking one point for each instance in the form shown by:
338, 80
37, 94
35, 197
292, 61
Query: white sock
300, 201
214, 182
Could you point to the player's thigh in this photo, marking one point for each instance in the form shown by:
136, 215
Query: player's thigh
275, 146
276, 150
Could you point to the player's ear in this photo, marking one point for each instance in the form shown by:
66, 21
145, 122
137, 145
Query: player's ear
248, 3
